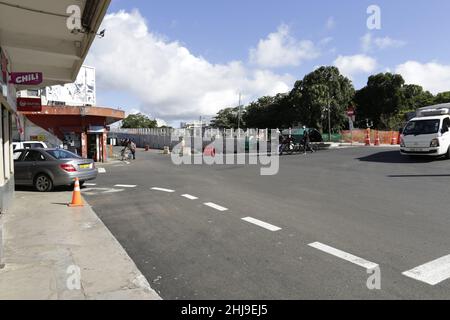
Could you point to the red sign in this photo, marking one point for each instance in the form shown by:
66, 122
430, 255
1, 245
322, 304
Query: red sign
350, 112
26, 78
29, 104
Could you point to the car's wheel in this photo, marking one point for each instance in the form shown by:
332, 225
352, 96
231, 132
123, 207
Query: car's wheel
43, 183
447, 155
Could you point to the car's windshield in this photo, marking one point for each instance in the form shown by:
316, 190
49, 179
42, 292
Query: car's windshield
63, 154
420, 127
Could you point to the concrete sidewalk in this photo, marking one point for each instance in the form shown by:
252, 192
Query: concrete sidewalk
47, 245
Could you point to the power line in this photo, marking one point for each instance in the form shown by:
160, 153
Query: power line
16, 6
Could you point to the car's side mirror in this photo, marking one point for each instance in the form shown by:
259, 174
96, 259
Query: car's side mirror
444, 130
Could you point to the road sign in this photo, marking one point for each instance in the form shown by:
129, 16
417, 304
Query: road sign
351, 112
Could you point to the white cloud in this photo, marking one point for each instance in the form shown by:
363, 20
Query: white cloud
354, 65
169, 81
331, 23
368, 43
280, 49
432, 76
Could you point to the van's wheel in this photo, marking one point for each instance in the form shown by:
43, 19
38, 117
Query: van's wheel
43, 183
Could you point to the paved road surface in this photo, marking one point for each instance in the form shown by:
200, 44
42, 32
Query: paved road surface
310, 232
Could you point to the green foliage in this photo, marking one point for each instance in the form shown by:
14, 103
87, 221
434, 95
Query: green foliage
443, 97
138, 121
323, 88
383, 97
270, 112
385, 100
228, 119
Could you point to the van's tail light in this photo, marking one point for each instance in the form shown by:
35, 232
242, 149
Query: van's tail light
68, 168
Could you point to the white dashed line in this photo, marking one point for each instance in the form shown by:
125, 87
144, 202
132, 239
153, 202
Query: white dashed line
90, 184
188, 196
345, 256
215, 206
125, 185
101, 170
431, 273
262, 224
163, 190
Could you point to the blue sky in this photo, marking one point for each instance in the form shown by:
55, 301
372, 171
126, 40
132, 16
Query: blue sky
298, 35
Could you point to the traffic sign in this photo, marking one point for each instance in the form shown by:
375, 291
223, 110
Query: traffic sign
351, 112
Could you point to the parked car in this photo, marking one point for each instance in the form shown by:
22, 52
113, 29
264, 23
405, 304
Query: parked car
47, 168
29, 145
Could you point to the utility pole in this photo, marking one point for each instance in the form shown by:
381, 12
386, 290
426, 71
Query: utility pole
329, 118
239, 116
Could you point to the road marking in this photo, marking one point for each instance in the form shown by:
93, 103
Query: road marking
215, 206
431, 273
125, 186
163, 190
344, 255
96, 191
101, 170
262, 224
188, 196
90, 184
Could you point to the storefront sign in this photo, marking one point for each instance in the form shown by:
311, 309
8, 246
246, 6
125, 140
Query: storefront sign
26, 78
29, 104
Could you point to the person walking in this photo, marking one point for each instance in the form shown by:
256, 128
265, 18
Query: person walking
307, 141
132, 147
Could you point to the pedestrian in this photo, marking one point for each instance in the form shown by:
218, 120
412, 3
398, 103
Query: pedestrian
280, 143
307, 140
132, 147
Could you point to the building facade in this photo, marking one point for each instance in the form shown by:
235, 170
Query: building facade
38, 49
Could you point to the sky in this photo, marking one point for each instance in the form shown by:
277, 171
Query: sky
179, 60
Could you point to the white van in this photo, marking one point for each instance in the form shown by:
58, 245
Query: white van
428, 134
29, 145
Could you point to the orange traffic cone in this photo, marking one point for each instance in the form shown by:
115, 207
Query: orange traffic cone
368, 138
393, 140
377, 138
77, 201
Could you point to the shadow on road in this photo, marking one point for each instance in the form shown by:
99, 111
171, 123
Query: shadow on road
394, 157
32, 189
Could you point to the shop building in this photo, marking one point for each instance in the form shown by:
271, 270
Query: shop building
38, 50
80, 129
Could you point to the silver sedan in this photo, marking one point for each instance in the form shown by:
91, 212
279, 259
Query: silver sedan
47, 168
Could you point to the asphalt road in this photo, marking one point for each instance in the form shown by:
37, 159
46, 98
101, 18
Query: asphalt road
372, 205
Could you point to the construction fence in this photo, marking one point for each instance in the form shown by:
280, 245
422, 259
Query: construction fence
160, 138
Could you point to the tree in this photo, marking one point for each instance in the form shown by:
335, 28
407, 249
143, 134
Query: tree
322, 88
415, 97
443, 97
228, 119
381, 99
138, 121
